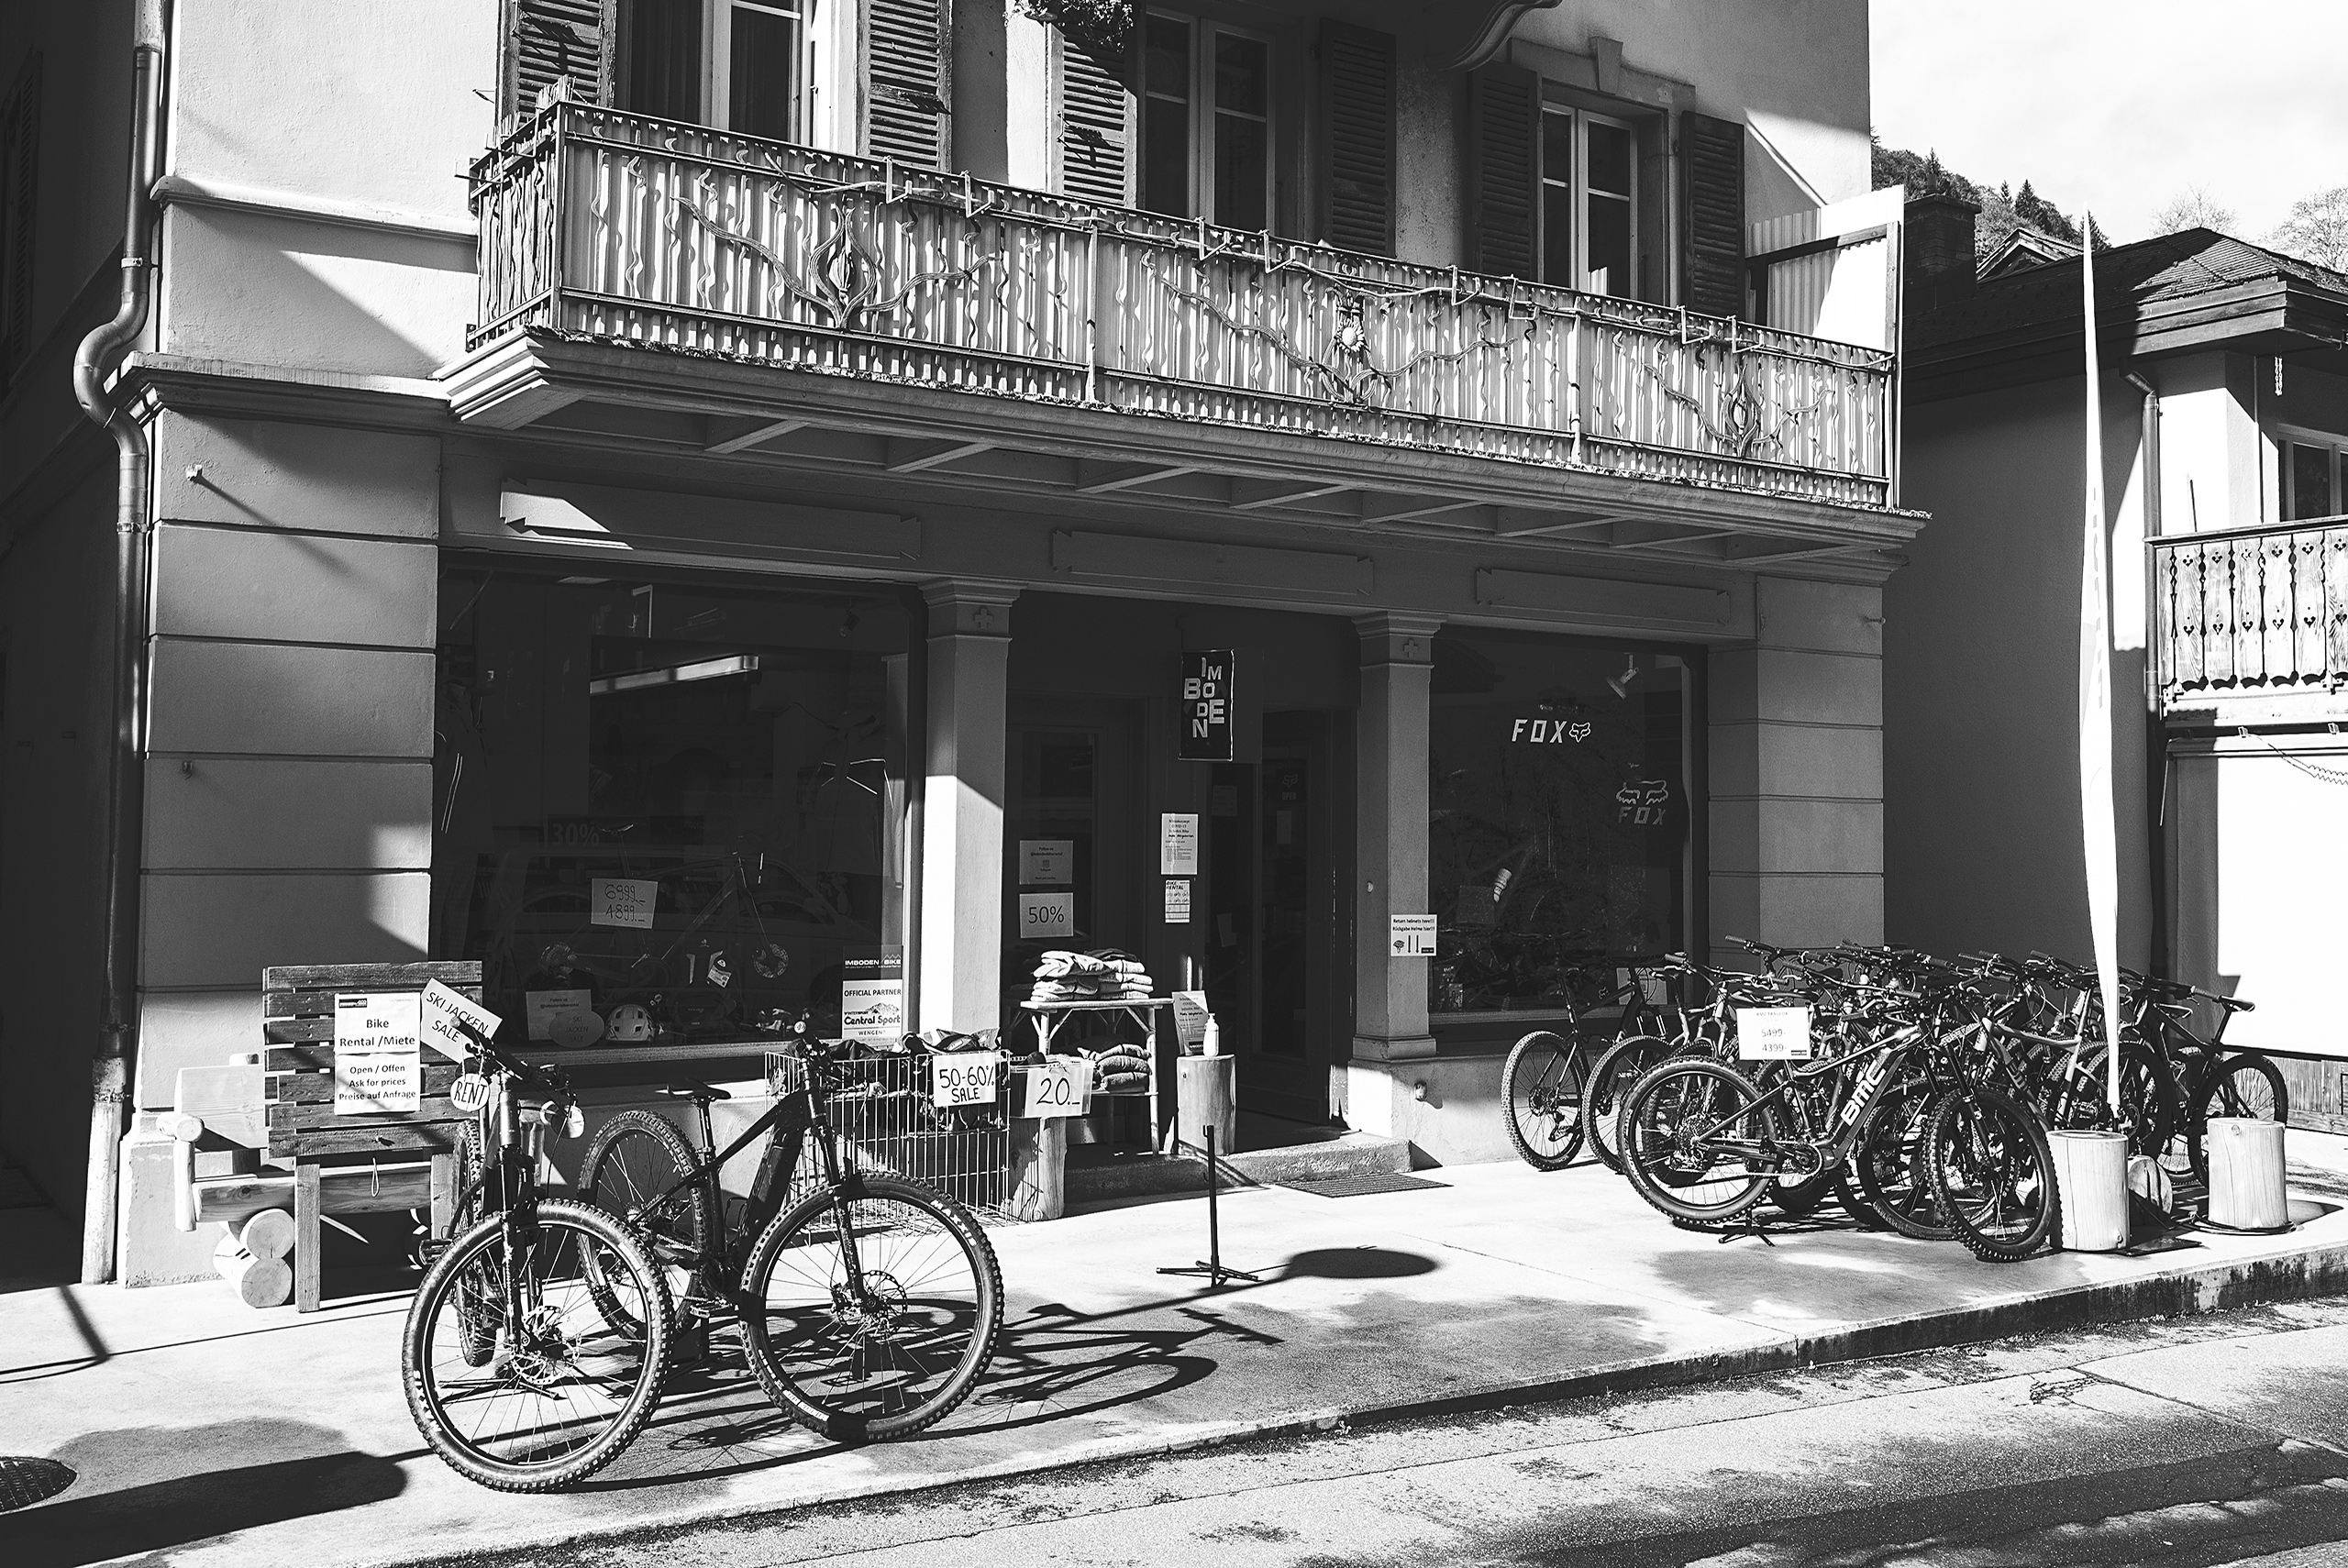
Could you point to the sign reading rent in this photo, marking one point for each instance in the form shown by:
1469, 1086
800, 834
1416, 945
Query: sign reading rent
1773, 1034
620, 900
376, 1052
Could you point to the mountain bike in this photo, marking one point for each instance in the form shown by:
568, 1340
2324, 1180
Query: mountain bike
868, 1306
1543, 1079
538, 1338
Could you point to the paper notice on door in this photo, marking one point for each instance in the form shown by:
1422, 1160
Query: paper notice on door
1177, 900
377, 1053
1411, 935
1190, 1019
1047, 917
1178, 844
1044, 862
619, 900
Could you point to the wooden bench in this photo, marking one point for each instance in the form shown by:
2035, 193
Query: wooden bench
340, 1165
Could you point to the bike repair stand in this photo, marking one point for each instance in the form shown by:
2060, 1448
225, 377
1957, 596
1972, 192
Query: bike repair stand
1212, 1265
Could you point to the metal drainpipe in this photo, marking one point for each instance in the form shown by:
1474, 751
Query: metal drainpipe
118, 1031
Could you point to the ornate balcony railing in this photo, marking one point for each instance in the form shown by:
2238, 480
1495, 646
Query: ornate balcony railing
600, 225
2251, 612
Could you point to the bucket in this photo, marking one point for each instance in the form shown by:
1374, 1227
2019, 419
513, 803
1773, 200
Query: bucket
2246, 1173
2091, 1183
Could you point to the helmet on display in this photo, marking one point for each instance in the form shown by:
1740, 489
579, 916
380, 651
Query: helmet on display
630, 1021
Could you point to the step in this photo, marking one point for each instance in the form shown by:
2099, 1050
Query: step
1096, 1175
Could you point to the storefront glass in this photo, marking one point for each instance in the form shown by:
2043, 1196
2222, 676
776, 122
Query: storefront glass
669, 811
1559, 818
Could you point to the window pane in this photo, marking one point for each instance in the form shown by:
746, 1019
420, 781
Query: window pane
1239, 172
1168, 58
1558, 236
663, 66
1609, 158
2310, 481
1558, 148
1241, 68
1610, 245
1166, 158
764, 73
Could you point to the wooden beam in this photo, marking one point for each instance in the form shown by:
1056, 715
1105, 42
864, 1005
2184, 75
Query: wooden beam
752, 437
1282, 498
1127, 481
1701, 535
1800, 555
1430, 509
952, 452
1606, 521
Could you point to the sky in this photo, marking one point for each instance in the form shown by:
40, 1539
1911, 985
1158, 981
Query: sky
2120, 105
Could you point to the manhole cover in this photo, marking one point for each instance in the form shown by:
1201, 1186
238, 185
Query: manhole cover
24, 1482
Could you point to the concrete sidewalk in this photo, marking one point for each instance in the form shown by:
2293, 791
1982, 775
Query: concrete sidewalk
213, 1434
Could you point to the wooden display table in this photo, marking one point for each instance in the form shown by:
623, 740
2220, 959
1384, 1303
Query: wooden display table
1051, 1016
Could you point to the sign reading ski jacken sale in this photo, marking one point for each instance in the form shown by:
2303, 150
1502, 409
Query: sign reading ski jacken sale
1206, 706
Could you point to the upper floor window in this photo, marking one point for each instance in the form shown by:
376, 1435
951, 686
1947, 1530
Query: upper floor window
742, 65
1588, 201
2315, 477
1206, 122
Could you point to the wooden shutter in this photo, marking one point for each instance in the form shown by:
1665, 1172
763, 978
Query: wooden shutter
547, 41
1503, 171
1099, 130
1357, 139
1711, 228
19, 163
908, 82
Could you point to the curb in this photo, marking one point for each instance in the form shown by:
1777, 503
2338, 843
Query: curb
2215, 1288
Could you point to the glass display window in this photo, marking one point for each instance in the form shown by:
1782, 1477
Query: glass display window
670, 810
1559, 818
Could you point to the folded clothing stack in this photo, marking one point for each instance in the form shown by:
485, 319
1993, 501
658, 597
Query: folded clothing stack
1106, 976
1120, 1069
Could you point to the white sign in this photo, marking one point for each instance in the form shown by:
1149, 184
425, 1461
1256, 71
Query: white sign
468, 1093
1190, 1019
873, 1010
1410, 937
376, 1053
540, 1009
1773, 1034
617, 900
1177, 900
1047, 917
1059, 1088
964, 1077
444, 1011
1178, 844
1046, 861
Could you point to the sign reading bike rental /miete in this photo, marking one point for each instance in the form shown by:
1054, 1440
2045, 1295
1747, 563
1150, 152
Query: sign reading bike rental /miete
377, 1053
1206, 706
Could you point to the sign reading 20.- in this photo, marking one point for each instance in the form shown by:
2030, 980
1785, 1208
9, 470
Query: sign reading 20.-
1206, 706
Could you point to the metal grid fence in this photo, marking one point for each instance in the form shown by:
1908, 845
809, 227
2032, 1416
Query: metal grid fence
882, 1111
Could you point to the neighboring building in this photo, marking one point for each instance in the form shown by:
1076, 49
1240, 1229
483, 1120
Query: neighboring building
2225, 392
768, 461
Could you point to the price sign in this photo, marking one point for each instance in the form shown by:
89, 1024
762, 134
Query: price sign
447, 1016
1058, 1087
619, 900
1047, 917
964, 1077
1773, 1034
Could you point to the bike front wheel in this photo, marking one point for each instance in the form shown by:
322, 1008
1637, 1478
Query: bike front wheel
1989, 1164
1692, 1132
639, 1169
1616, 1068
564, 1390
870, 1310
1541, 1095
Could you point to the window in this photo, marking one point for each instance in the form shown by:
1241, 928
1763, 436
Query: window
2314, 483
743, 65
1206, 122
1588, 201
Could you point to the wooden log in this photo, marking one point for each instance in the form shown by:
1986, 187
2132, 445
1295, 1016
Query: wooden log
356, 1189
270, 1233
258, 1281
1206, 1093
1038, 1174
305, 1237
2091, 1185
2246, 1186
443, 1196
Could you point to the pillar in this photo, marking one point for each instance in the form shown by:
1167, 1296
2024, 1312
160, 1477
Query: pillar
960, 958
1397, 674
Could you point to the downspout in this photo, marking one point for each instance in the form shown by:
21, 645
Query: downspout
118, 1028
2157, 732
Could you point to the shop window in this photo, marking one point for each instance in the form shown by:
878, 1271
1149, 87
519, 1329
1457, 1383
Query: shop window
1206, 122
668, 811
2314, 472
1559, 818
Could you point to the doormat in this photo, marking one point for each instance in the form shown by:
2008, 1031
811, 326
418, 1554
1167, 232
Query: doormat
1362, 1186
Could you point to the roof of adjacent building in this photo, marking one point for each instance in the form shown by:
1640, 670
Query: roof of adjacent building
2025, 248
2178, 292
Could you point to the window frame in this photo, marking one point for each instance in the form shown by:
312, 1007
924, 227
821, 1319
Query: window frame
1577, 185
717, 62
2286, 437
1204, 112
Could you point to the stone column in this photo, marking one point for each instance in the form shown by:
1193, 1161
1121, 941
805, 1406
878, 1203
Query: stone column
1390, 871
1796, 754
962, 852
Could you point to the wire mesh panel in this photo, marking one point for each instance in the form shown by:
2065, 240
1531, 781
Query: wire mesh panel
883, 1109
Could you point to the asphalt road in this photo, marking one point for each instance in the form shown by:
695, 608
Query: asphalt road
2209, 1440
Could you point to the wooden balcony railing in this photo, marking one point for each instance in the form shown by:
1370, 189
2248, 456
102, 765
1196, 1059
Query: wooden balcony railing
600, 225
2251, 612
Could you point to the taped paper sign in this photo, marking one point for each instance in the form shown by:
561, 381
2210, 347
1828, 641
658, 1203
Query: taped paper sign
1059, 1088
1411, 935
1046, 861
1177, 900
964, 1077
447, 1016
873, 1008
1773, 1034
618, 900
376, 1052
541, 1011
1178, 844
1190, 1019
1047, 917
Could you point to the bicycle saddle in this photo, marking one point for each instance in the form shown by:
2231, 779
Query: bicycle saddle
694, 1091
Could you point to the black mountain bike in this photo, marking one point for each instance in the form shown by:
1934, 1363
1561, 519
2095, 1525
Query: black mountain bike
869, 1306
538, 1340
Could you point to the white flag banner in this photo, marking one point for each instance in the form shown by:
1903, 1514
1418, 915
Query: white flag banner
2098, 827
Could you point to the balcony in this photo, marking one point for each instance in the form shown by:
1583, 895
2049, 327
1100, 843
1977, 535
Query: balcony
2252, 624
1395, 390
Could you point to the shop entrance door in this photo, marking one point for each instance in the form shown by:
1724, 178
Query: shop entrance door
1070, 859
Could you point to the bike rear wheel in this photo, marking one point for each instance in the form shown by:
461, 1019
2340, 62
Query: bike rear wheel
870, 1310
1889, 1163
565, 1389
2245, 1084
1541, 1091
1675, 1126
636, 1169
1989, 1164
1616, 1068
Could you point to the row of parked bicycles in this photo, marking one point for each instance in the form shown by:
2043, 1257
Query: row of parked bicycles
1920, 1100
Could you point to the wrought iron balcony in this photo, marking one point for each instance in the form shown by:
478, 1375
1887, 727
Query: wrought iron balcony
2253, 617
602, 225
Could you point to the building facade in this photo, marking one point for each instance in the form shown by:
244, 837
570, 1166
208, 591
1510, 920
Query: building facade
698, 504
